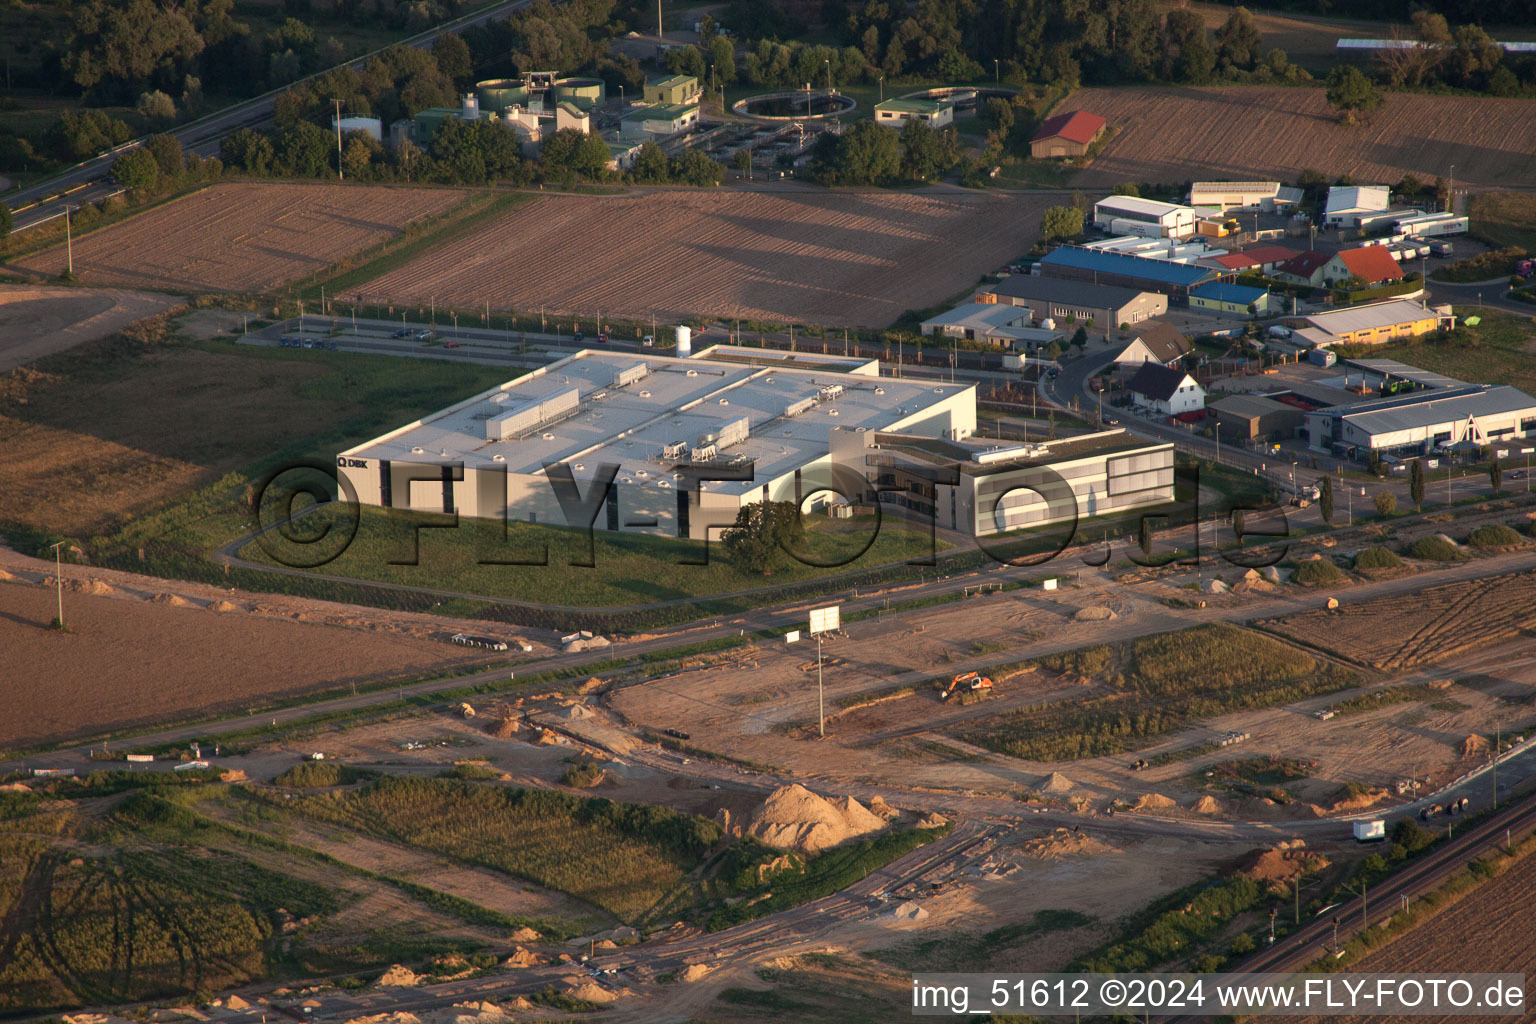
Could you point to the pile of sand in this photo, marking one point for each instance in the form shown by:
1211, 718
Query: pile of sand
932, 820
223, 606
1153, 802
794, 818
385, 1018
502, 729
591, 685
1475, 746
232, 775
6, 575
524, 934
91, 587
548, 739
878, 806
398, 975
693, 972
1064, 842
1216, 587
236, 1003
1255, 582
1093, 613
576, 712
521, 957
1282, 863
590, 991
1448, 539
909, 911
1207, 805
1057, 783
174, 600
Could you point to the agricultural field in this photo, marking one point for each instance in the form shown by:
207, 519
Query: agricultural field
834, 258
129, 893
1465, 936
1173, 134
243, 237
85, 452
128, 661
1422, 628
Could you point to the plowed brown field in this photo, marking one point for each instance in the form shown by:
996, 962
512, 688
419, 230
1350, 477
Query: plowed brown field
243, 237
1485, 931
1171, 134
1416, 629
835, 258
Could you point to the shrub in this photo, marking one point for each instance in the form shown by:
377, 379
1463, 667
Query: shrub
1385, 502
1377, 557
1482, 267
583, 774
1316, 571
1496, 535
320, 774
1434, 549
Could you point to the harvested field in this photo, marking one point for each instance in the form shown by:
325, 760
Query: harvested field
1173, 134
1467, 936
244, 237
1416, 629
127, 663
823, 257
37, 322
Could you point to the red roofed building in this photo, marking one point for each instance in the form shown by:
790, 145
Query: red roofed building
1304, 268
1371, 264
1067, 135
1269, 257
1231, 263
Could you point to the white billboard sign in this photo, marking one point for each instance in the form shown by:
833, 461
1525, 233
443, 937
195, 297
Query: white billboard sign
792, 637
826, 620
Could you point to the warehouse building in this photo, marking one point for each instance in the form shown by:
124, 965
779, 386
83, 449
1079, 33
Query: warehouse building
1355, 206
1074, 263
1104, 306
1435, 420
1238, 299
1374, 323
1246, 419
1265, 196
1067, 135
1001, 324
668, 428
1149, 218
990, 488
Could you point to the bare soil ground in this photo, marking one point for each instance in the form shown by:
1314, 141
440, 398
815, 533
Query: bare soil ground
243, 237
1429, 626
129, 662
37, 322
1173, 134
1477, 933
824, 257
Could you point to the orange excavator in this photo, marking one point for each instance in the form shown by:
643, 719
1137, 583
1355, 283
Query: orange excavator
965, 682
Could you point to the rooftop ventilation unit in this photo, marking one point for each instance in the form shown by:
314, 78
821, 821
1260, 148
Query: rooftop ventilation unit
831, 391
705, 453
734, 432
630, 374
796, 408
675, 452
528, 416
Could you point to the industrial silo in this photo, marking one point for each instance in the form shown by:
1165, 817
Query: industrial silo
684, 341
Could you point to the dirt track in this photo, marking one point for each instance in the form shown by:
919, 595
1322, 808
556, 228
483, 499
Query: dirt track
37, 322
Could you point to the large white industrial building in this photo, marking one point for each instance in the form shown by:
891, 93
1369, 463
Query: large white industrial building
667, 424
1149, 218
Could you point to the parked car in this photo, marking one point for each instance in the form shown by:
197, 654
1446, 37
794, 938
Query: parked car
577, 337
404, 332
602, 339
422, 334
649, 341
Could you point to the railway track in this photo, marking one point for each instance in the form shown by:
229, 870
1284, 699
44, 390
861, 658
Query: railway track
1419, 878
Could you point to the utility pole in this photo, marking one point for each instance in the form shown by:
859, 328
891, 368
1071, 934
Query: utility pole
69, 245
339, 175
821, 696
58, 577
1497, 739
659, 34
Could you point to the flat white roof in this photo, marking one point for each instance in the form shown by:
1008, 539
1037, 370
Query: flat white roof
1260, 187
1347, 198
979, 316
1135, 204
680, 400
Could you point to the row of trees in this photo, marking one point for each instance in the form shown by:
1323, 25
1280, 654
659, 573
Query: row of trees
872, 154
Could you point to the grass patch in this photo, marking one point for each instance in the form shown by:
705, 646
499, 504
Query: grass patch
1494, 536
1386, 698
1505, 218
1158, 684
1376, 557
1255, 776
1493, 350
1314, 572
626, 569
622, 857
1435, 549
320, 775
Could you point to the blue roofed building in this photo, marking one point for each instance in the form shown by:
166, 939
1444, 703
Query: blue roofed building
1073, 263
1217, 297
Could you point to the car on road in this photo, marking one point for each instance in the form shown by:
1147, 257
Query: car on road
422, 334
452, 344
577, 337
602, 339
404, 332
649, 341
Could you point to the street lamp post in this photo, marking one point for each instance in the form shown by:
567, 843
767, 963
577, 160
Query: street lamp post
882, 88
58, 577
997, 72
